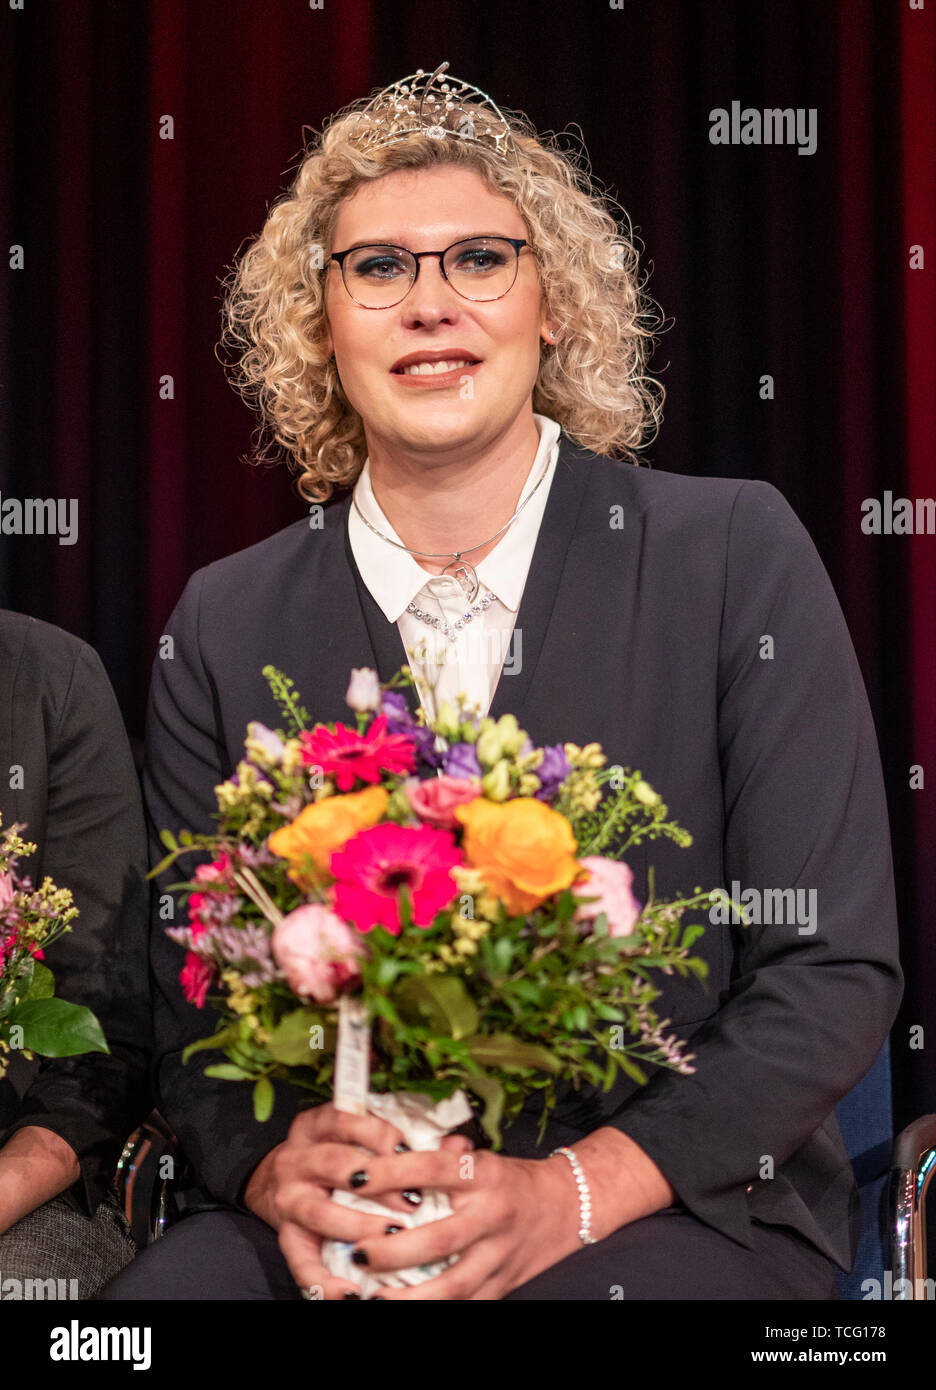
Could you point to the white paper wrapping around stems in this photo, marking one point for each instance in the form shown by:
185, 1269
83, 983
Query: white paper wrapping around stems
423, 1123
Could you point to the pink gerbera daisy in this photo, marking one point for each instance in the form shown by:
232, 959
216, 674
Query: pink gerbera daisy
347, 755
374, 864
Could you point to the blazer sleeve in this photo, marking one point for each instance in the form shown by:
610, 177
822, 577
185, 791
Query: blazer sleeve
806, 1011
95, 845
185, 759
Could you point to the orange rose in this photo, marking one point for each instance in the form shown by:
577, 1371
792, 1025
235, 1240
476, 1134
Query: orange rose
522, 848
325, 826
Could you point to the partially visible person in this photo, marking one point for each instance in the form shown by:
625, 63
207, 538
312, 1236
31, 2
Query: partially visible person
67, 773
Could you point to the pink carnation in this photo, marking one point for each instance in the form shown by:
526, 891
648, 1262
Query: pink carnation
433, 800
196, 976
317, 952
611, 882
218, 871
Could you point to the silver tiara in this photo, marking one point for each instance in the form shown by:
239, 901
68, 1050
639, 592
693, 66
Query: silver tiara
421, 105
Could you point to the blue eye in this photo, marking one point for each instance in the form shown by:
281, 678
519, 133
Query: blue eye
380, 267
480, 259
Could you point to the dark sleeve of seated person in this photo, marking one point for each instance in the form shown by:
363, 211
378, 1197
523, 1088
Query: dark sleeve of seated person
67, 772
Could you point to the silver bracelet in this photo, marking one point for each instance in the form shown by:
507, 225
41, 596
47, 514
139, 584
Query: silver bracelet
585, 1235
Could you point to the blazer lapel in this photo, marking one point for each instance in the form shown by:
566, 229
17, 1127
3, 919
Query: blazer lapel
386, 642
547, 568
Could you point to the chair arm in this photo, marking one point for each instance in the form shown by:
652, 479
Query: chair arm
912, 1168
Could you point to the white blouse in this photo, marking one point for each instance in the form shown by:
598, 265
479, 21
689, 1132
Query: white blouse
471, 665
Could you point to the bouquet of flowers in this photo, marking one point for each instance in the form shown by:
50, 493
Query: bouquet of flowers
474, 933
32, 1020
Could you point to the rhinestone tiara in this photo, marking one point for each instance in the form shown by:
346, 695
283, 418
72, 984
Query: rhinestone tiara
423, 105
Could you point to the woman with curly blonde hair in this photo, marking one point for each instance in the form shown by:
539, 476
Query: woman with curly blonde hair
590, 371
445, 333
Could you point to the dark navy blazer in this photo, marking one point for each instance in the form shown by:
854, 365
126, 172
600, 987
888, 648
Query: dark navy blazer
643, 621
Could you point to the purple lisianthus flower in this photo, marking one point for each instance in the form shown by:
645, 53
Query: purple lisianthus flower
400, 721
552, 771
424, 740
461, 760
397, 711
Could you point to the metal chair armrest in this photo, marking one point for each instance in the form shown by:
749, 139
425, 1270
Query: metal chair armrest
912, 1168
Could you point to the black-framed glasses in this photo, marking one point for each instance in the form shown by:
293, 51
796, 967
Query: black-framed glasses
479, 268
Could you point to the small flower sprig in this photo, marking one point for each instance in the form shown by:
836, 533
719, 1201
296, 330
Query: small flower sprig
31, 919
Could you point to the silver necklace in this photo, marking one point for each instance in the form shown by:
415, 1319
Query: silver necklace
463, 571
451, 630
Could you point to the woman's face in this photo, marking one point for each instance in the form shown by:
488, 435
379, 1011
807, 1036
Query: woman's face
428, 210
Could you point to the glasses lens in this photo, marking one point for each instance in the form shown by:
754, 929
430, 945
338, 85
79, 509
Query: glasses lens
378, 276
483, 268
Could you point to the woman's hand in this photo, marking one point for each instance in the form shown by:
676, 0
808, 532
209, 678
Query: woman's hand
512, 1218
291, 1188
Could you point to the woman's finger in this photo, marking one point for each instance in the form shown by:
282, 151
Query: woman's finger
303, 1253
311, 1208
324, 1123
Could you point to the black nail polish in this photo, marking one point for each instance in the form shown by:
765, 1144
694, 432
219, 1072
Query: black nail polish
349, 1294
401, 1148
413, 1197
359, 1257
359, 1178
392, 1230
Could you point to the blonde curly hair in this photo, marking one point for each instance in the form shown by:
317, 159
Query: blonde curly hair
591, 381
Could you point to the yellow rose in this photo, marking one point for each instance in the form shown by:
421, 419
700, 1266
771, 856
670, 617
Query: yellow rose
524, 850
325, 826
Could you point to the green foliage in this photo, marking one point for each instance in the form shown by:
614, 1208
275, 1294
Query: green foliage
441, 1002
291, 1039
54, 1028
284, 693
263, 1096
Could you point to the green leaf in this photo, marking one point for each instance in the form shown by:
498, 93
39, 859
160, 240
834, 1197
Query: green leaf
42, 985
527, 990
580, 1017
492, 1093
291, 1039
502, 1050
387, 971
22, 982
226, 1071
625, 943
441, 1002
54, 1028
220, 1040
263, 1096
503, 954
628, 1065
692, 933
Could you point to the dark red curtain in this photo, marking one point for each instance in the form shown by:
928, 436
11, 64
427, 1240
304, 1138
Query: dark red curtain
768, 262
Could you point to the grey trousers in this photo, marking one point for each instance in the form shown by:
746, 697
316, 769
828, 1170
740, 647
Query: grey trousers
58, 1252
